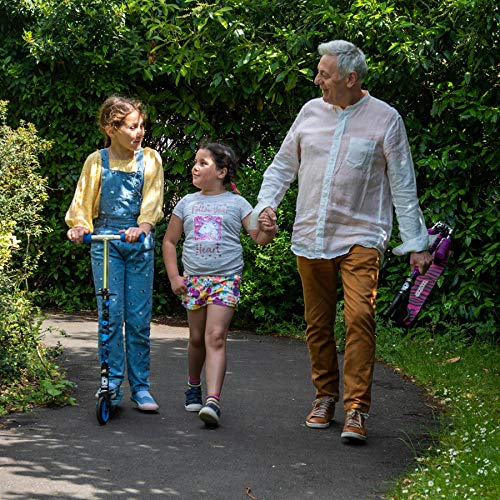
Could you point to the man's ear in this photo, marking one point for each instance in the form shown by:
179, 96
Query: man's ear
352, 79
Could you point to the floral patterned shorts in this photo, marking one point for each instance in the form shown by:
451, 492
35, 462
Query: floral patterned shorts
204, 290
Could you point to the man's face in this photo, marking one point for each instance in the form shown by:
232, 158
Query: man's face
335, 89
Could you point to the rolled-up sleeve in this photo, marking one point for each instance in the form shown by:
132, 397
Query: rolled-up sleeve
401, 174
152, 191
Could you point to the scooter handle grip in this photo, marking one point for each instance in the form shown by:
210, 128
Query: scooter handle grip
87, 238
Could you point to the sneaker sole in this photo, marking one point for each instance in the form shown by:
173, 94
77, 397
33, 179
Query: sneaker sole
316, 425
209, 416
353, 435
149, 407
193, 407
117, 399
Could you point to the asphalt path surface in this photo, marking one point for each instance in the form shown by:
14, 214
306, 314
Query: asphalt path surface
262, 449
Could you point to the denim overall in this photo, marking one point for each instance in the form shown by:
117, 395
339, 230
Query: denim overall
131, 268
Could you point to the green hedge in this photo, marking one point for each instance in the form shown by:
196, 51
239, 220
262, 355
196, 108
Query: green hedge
239, 72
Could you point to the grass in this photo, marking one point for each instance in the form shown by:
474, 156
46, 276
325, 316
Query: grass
462, 375
459, 368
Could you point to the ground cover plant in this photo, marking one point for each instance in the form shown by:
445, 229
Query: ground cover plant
460, 371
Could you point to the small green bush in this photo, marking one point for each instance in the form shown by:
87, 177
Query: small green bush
27, 372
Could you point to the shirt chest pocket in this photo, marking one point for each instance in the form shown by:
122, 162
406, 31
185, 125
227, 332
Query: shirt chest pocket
360, 152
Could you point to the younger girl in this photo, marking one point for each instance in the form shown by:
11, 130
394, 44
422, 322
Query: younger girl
121, 190
212, 259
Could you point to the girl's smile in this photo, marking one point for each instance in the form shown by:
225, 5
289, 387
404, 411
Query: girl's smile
126, 139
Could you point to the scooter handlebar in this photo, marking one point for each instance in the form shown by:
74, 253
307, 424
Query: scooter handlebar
88, 238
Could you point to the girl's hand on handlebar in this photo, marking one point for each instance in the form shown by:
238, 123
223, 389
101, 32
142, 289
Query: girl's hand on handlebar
132, 234
75, 234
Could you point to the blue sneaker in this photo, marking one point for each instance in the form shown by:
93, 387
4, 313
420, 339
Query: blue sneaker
116, 394
193, 398
144, 401
210, 413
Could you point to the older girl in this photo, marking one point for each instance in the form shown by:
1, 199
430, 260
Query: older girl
121, 190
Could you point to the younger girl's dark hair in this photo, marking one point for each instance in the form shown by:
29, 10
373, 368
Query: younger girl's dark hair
224, 157
114, 110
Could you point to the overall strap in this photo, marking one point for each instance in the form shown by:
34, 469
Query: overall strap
104, 158
139, 158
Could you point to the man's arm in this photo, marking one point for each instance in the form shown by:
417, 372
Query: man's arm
403, 184
280, 173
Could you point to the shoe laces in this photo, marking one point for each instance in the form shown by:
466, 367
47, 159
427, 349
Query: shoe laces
193, 394
355, 418
321, 407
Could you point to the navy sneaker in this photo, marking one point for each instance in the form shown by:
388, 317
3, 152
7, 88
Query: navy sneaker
144, 401
193, 398
210, 413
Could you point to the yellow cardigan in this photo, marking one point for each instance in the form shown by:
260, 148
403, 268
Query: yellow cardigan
85, 205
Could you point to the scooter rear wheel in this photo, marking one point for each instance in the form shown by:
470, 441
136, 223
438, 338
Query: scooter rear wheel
103, 409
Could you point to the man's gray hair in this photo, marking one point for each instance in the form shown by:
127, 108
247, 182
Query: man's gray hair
349, 57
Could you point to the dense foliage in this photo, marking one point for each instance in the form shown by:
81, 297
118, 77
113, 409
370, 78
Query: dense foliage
27, 373
239, 72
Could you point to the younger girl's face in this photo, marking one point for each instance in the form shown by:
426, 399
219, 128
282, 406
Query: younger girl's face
130, 134
206, 176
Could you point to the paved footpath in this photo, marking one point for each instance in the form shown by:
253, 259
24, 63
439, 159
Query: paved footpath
262, 450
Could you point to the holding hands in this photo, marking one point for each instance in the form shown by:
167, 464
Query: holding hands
267, 221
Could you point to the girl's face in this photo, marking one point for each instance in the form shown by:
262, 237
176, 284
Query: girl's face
206, 176
128, 137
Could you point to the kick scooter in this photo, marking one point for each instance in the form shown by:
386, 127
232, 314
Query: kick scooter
104, 401
416, 288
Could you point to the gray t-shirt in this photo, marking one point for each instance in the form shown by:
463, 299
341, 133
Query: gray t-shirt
212, 226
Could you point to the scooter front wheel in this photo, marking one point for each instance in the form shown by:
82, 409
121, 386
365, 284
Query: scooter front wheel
103, 409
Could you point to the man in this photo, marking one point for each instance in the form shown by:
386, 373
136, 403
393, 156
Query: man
351, 154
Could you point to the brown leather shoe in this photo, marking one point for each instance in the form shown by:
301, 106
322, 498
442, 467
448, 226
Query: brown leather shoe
321, 414
354, 427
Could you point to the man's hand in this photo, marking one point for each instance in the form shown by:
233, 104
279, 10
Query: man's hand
422, 260
267, 220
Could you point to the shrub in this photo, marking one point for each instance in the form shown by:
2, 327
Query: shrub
27, 374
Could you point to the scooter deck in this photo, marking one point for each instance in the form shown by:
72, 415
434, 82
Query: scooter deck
420, 291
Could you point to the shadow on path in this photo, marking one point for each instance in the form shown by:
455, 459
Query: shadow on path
262, 449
